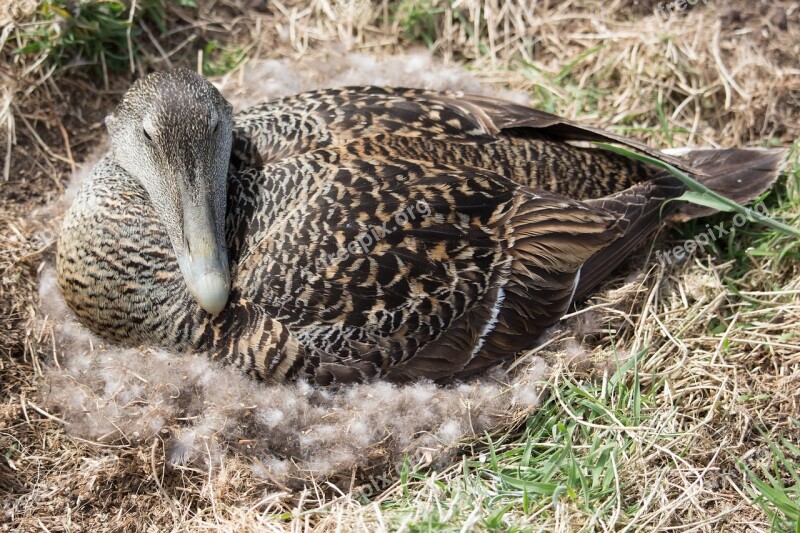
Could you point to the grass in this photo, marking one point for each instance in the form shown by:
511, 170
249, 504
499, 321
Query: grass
102, 36
418, 19
697, 430
582, 455
569, 454
219, 59
776, 486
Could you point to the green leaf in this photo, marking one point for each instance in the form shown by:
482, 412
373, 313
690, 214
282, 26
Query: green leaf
704, 200
536, 487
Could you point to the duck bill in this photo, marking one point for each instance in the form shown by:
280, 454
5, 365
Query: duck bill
205, 266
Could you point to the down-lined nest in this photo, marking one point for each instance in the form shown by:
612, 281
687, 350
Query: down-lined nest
292, 434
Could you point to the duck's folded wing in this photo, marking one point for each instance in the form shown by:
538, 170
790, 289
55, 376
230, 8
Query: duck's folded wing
410, 265
495, 115
331, 117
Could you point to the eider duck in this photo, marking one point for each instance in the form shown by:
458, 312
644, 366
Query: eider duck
348, 234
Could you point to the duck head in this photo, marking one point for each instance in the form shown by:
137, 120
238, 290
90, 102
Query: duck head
173, 132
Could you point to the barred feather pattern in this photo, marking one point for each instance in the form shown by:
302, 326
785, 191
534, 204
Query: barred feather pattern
372, 232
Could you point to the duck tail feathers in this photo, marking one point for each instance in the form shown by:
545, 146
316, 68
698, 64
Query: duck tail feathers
741, 174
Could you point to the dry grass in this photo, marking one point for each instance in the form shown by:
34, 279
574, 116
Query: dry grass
713, 339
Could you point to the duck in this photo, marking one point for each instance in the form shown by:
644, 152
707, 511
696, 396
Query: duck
351, 234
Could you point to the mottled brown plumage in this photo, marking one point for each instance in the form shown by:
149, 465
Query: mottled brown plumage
369, 231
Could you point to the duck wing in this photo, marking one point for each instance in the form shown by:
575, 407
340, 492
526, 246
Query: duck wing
524, 221
332, 117
402, 267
